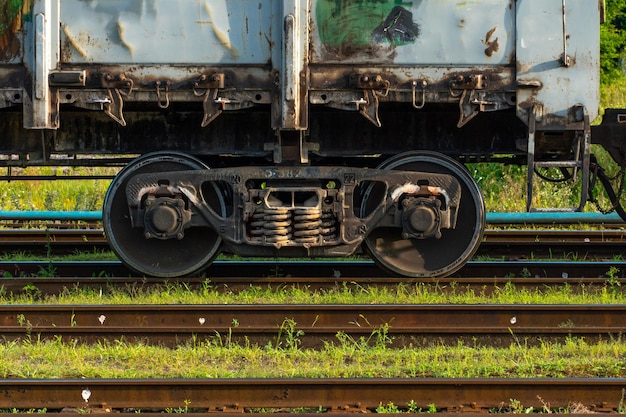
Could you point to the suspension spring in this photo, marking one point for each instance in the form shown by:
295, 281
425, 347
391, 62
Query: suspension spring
300, 226
329, 225
307, 224
271, 225
311, 225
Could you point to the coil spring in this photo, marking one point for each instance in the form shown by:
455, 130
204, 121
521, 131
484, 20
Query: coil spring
273, 225
306, 225
302, 225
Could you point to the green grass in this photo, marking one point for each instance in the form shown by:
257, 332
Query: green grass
346, 357
613, 94
93, 255
58, 195
610, 292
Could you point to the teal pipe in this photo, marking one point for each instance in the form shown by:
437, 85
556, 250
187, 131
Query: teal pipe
51, 215
553, 217
492, 218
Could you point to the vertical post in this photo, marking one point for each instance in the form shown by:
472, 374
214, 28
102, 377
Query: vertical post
45, 57
586, 161
532, 119
295, 60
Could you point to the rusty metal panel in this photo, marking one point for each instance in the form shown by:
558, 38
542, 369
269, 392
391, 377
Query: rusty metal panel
169, 32
417, 32
557, 51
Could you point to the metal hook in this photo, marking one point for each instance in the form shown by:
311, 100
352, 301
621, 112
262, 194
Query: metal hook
414, 90
166, 104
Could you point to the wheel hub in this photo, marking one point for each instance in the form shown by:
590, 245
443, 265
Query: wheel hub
421, 218
165, 218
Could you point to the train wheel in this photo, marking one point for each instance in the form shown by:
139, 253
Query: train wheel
428, 257
155, 257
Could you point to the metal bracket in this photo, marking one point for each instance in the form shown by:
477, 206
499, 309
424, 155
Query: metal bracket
118, 82
116, 87
291, 146
368, 107
67, 78
469, 82
113, 107
370, 82
208, 86
469, 104
373, 86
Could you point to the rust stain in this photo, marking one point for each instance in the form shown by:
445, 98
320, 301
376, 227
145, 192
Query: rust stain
120, 34
492, 45
222, 37
73, 42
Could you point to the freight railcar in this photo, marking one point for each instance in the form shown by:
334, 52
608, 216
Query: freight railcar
308, 128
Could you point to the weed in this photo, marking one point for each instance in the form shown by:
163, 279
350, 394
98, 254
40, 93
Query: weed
31, 291
179, 410
47, 272
613, 273
390, 408
516, 407
291, 334
411, 408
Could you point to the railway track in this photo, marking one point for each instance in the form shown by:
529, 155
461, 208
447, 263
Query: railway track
505, 244
54, 285
338, 271
341, 395
315, 325
171, 324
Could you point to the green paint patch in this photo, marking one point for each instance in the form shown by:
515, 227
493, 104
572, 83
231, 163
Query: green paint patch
355, 24
9, 9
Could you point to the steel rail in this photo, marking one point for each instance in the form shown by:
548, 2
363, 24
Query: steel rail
339, 270
359, 395
509, 244
282, 412
62, 232
55, 285
611, 219
414, 323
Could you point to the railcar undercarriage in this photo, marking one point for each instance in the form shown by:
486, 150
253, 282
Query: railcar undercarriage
167, 214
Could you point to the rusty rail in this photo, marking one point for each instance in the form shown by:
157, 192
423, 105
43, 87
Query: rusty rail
315, 394
403, 324
508, 244
54, 285
256, 271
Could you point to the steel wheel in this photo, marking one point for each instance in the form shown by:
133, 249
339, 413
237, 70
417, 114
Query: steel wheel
428, 257
155, 257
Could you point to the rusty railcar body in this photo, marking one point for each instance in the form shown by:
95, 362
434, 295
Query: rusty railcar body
300, 127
